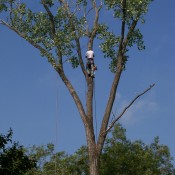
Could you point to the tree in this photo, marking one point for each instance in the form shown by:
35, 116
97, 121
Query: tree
13, 160
41, 154
49, 162
120, 156
58, 32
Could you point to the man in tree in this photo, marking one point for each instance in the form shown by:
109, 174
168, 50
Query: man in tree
90, 65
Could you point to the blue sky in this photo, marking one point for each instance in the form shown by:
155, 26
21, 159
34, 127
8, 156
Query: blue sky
38, 107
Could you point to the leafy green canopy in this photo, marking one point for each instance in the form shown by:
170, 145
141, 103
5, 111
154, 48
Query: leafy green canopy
13, 160
123, 157
120, 157
56, 28
130, 14
37, 27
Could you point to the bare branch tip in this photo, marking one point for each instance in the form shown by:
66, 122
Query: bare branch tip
152, 85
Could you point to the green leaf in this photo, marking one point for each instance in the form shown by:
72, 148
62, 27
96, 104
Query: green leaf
3, 7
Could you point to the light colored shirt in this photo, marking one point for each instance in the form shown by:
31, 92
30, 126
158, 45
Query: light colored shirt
90, 54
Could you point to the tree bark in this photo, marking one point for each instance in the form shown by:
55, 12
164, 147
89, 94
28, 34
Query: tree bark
94, 165
94, 159
90, 136
106, 117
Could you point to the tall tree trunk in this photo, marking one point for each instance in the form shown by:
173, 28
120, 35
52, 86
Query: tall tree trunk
94, 165
92, 152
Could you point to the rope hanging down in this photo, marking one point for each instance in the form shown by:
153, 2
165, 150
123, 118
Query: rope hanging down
95, 108
95, 117
56, 120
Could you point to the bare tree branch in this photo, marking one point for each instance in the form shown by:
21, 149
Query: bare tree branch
120, 55
127, 107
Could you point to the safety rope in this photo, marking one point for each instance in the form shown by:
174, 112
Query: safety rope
95, 110
95, 117
56, 121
